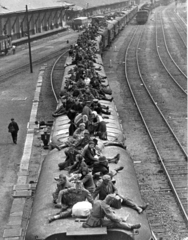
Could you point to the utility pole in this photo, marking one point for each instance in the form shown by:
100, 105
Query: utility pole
29, 42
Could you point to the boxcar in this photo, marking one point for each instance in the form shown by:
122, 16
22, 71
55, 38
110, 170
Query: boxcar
80, 22
142, 16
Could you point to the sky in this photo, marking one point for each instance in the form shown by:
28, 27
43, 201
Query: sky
19, 5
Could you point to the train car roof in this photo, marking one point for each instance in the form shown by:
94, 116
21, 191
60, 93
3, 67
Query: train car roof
81, 18
99, 16
43, 208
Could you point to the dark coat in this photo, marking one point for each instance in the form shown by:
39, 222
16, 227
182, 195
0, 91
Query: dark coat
101, 167
89, 154
103, 190
13, 127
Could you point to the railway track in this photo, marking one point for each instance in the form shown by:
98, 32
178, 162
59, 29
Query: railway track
172, 68
182, 14
17, 70
178, 26
56, 75
168, 148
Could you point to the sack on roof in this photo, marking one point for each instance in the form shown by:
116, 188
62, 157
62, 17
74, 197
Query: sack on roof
81, 209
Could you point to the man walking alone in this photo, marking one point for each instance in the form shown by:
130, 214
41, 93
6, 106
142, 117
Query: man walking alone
13, 129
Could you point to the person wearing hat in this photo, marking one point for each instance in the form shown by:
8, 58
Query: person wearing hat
13, 129
96, 106
99, 108
107, 187
70, 196
89, 153
102, 209
62, 183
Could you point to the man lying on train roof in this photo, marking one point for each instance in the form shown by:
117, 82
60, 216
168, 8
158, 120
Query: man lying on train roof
107, 187
68, 197
102, 209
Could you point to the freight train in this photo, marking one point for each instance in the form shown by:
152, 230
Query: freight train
126, 181
143, 13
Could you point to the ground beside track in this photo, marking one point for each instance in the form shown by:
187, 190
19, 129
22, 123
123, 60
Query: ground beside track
162, 207
16, 97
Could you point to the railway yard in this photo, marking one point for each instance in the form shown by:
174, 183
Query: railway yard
146, 67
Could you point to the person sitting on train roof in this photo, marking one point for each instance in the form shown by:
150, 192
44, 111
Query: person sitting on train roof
75, 168
77, 105
79, 132
107, 187
62, 183
87, 178
81, 118
102, 209
62, 109
98, 126
99, 108
88, 96
81, 143
102, 167
89, 153
68, 197
87, 110
70, 158
92, 156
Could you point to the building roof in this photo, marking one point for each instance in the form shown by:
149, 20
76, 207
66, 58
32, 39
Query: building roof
7, 6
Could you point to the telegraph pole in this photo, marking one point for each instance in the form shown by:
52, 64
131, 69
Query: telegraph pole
29, 42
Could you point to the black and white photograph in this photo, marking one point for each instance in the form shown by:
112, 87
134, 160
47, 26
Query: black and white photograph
93, 120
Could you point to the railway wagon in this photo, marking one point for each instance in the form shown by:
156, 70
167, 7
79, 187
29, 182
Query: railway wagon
5, 44
68, 229
80, 22
115, 24
111, 31
142, 16
101, 20
126, 182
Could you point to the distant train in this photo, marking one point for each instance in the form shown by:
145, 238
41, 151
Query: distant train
142, 16
80, 22
5, 44
143, 13
68, 228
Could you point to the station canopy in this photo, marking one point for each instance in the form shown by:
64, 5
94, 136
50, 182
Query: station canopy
7, 6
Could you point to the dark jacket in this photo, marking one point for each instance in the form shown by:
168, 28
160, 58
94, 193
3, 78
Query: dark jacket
13, 127
99, 211
89, 154
101, 167
103, 190
70, 196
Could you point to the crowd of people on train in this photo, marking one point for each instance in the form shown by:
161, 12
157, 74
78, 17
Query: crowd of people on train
89, 176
